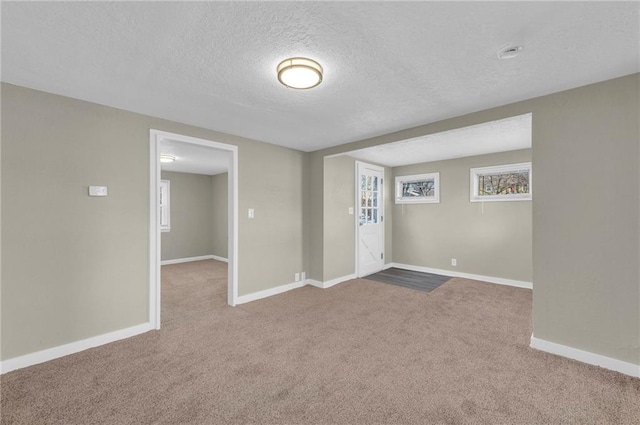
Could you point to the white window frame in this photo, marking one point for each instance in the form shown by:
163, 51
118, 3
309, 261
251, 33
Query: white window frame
433, 199
475, 174
165, 205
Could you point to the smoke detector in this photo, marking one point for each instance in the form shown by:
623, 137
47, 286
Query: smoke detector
509, 51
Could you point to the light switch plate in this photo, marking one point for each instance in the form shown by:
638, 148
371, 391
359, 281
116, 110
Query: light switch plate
350, 210
250, 213
98, 191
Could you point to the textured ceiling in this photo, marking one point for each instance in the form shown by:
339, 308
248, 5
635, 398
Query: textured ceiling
194, 159
508, 134
388, 65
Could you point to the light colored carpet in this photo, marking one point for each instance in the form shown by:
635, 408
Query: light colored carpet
194, 288
361, 352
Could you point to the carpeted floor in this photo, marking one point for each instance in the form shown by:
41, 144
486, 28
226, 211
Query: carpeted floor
361, 352
192, 289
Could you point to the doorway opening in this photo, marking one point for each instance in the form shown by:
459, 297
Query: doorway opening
199, 158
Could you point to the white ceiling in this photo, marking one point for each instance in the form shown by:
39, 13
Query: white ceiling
508, 134
194, 159
388, 65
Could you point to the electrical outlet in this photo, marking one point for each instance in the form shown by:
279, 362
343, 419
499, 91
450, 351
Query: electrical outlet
297, 277
250, 213
304, 276
454, 262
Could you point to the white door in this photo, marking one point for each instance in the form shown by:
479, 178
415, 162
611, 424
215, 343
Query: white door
370, 226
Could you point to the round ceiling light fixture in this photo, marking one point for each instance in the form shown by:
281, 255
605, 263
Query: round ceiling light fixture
299, 73
165, 157
509, 51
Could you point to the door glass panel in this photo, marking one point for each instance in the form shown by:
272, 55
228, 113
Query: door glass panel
369, 208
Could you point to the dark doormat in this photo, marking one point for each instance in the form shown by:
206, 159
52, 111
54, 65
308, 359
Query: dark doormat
409, 279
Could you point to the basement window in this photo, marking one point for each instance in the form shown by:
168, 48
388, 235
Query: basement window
165, 206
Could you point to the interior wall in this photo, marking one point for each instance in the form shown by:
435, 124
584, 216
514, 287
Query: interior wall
586, 212
220, 214
339, 225
339, 234
1, 225
486, 238
191, 233
92, 254
586, 208
272, 183
315, 223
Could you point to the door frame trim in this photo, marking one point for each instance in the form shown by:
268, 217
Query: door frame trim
155, 137
356, 212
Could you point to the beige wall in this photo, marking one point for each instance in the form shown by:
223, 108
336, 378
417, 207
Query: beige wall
191, 233
586, 209
489, 239
271, 245
75, 267
339, 227
315, 222
199, 216
220, 214
1, 224
493, 239
586, 228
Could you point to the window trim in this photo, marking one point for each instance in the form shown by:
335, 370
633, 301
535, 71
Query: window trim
166, 185
476, 173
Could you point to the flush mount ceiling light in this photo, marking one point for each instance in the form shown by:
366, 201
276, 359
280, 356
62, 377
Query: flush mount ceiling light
509, 51
165, 157
299, 73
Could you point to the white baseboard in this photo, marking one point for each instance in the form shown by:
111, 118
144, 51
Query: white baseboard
387, 266
71, 348
77, 346
491, 279
586, 357
242, 299
332, 282
315, 283
190, 259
